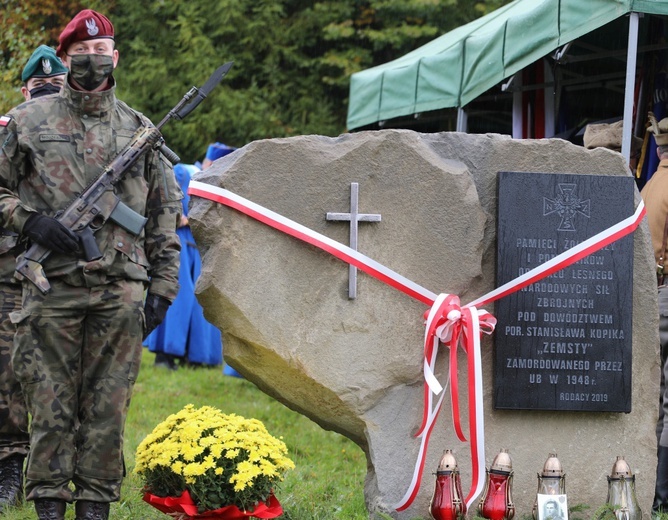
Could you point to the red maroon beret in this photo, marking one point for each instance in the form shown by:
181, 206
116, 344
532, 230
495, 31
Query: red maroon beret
87, 25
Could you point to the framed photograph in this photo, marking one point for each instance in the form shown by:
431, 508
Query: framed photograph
552, 507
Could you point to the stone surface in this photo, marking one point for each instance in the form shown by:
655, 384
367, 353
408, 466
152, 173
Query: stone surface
354, 366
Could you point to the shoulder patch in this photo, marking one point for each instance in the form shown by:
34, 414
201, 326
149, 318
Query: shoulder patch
4, 120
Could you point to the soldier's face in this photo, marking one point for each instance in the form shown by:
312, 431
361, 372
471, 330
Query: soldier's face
91, 63
40, 83
98, 46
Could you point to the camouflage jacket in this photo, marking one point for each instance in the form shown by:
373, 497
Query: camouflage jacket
10, 248
53, 147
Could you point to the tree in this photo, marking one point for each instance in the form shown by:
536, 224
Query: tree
271, 90
293, 59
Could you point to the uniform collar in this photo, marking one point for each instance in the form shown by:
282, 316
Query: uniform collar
90, 103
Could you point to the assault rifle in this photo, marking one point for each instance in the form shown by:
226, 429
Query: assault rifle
98, 203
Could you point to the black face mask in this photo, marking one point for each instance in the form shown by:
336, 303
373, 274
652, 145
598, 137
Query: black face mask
44, 90
91, 70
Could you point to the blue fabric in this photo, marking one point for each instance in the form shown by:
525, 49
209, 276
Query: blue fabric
183, 174
185, 332
218, 150
229, 371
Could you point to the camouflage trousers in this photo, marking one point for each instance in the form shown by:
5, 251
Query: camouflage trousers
76, 353
13, 411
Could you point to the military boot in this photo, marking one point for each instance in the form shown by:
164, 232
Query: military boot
660, 504
92, 510
50, 509
11, 481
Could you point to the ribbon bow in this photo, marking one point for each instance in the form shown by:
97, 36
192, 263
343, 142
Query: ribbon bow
454, 326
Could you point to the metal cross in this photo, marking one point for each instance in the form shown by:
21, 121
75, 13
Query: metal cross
353, 217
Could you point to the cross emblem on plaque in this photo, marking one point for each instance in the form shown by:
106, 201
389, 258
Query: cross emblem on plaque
567, 205
354, 217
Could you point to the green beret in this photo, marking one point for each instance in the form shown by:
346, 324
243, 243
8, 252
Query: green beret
43, 64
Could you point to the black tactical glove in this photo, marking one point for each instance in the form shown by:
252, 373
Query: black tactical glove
155, 309
48, 232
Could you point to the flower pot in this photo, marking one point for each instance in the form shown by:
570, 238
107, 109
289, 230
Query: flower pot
183, 508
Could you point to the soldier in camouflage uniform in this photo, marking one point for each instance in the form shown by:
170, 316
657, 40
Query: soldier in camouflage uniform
43, 74
78, 348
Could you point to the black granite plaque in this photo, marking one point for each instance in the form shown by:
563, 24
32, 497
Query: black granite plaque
563, 343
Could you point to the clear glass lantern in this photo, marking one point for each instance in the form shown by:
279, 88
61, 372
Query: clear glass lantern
622, 491
552, 481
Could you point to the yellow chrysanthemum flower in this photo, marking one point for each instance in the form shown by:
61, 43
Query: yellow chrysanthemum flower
224, 456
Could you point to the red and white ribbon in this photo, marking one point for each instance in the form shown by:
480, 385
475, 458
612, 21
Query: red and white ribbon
454, 326
446, 322
290, 227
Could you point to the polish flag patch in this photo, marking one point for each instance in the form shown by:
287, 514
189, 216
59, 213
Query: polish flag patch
4, 120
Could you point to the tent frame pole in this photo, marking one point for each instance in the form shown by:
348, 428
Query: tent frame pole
629, 90
462, 120
517, 107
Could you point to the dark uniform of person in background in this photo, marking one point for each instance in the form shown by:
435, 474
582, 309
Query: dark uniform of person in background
43, 74
78, 348
655, 196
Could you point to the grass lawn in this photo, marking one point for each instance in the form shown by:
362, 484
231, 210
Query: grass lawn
327, 483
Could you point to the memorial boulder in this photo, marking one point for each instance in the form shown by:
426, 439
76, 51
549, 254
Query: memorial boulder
345, 349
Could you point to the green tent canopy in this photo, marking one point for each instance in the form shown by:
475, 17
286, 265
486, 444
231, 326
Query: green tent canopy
459, 66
